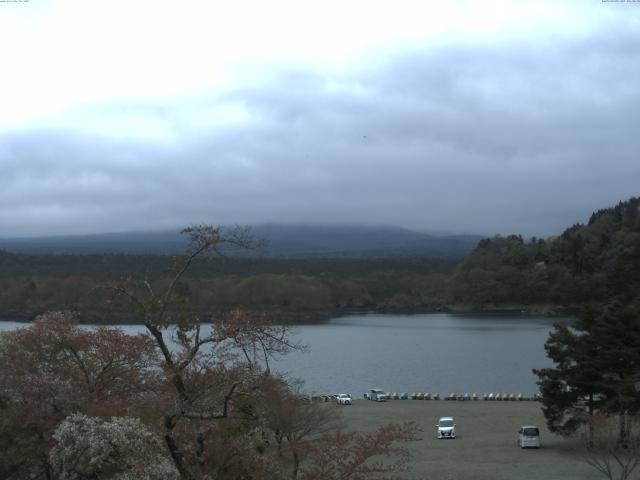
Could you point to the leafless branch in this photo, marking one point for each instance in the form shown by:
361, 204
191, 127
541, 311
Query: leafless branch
606, 452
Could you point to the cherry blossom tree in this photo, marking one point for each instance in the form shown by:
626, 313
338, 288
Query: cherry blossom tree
121, 448
215, 373
194, 398
55, 368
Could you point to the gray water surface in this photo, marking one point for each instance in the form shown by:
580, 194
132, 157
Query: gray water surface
437, 353
440, 353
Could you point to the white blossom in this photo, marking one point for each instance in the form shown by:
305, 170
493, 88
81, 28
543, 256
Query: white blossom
120, 449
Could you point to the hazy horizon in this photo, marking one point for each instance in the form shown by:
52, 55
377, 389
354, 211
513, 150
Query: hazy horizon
177, 229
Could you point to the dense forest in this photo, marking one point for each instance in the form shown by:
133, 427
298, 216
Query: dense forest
553, 274
292, 290
566, 270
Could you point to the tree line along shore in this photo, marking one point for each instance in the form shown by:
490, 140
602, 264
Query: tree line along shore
555, 275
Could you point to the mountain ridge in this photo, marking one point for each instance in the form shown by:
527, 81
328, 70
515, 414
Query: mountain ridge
281, 241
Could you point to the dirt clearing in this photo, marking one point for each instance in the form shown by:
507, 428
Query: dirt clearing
486, 444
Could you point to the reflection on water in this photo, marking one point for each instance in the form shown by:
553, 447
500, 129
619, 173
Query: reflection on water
437, 353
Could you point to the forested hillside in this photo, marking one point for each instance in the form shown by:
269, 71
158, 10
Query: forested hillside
295, 289
277, 241
556, 273
569, 269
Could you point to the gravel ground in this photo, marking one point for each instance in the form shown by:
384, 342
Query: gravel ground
485, 447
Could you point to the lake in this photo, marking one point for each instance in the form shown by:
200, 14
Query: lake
436, 353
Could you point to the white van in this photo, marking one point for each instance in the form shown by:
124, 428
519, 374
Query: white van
446, 427
529, 436
376, 394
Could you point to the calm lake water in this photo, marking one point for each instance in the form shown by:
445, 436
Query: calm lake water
440, 353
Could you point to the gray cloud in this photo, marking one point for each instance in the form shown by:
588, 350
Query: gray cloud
527, 137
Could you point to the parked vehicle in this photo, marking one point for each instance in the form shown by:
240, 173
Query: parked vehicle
529, 436
446, 427
376, 394
344, 399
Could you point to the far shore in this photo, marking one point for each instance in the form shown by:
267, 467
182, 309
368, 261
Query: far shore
319, 316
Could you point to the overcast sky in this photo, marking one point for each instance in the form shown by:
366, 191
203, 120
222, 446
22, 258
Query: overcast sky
463, 116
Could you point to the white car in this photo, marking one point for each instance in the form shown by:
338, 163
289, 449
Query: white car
529, 436
343, 399
446, 427
376, 395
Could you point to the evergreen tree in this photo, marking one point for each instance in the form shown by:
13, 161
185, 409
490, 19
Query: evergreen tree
570, 390
597, 358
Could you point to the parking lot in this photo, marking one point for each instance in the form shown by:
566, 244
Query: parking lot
486, 444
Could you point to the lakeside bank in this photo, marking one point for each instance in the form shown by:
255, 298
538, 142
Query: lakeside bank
305, 317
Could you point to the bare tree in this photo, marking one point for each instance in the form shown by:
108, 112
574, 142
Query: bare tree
606, 452
207, 370
294, 422
204, 391
358, 456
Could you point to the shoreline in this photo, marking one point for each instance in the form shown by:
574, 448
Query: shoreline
305, 317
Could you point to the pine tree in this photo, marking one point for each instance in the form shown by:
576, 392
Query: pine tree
597, 358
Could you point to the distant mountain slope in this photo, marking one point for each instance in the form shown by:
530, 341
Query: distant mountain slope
282, 241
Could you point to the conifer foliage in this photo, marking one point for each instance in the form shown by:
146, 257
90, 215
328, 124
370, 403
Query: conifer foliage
598, 357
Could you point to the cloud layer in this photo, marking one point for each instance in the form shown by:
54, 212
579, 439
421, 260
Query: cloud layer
522, 133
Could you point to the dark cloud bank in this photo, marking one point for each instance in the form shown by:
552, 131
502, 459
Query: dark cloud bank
523, 138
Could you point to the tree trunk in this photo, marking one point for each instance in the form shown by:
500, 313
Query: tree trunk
200, 452
624, 430
590, 440
174, 451
296, 464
